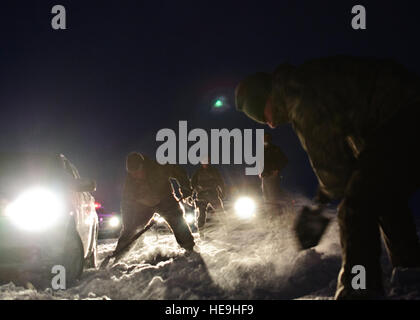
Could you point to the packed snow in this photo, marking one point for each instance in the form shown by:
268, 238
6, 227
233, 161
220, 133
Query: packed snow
234, 259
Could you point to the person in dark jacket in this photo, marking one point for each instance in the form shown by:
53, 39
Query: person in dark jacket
357, 119
147, 190
274, 162
208, 184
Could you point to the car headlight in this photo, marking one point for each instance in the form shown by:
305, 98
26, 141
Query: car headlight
35, 210
245, 207
114, 222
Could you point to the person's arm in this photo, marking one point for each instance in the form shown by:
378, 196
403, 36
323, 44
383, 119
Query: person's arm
128, 202
220, 181
321, 198
281, 159
180, 175
194, 181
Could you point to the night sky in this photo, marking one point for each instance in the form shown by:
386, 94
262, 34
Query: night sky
125, 69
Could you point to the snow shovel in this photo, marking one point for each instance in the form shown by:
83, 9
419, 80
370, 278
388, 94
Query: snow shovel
310, 226
117, 254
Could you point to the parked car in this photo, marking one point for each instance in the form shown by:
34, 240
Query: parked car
109, 223
47, 218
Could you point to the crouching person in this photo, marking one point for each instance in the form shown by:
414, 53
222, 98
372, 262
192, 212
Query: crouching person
274, 162
147, 191
357, 119
208, 184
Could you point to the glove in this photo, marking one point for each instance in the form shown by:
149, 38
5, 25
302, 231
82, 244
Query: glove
321, 198
185, 193
310, 226
189, 201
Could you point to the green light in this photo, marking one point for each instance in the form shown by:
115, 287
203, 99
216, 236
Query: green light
218, 103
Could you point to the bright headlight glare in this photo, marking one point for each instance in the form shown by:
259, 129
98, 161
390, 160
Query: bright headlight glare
189, 218
114, 222
35, 210
245, 207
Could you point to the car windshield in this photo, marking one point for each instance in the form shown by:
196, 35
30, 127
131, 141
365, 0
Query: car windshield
19, 170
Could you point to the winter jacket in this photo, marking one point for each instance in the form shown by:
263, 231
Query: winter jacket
337, 105
274, 159
207, 179
155, 187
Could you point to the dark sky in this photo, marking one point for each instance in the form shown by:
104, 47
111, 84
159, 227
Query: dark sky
125, 69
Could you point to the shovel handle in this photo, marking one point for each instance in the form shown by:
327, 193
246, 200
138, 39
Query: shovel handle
135, 237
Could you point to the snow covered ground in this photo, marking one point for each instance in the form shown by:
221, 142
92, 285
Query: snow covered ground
256, 259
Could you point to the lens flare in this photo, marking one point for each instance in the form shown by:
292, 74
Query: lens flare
114, 222
189, 218
35, 210
245, 207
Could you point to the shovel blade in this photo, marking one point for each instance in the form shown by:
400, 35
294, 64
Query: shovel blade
309, 227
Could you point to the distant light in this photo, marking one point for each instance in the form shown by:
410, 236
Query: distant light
245, 207
189, 218
97, 205
114, 222
218, 103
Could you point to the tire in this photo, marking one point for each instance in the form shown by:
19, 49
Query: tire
92, 260
73, 260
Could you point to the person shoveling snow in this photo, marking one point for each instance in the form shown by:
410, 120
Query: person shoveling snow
147, 191
357, 119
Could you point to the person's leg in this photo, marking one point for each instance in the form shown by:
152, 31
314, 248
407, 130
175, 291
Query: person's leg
403, 179
400, 235
271, 195
171, 211
360, 238
201, 212
400, 169
387, 171
133, 222
216, 203
264, 189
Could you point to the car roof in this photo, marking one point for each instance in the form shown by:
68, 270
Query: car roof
33, 155
35, 158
